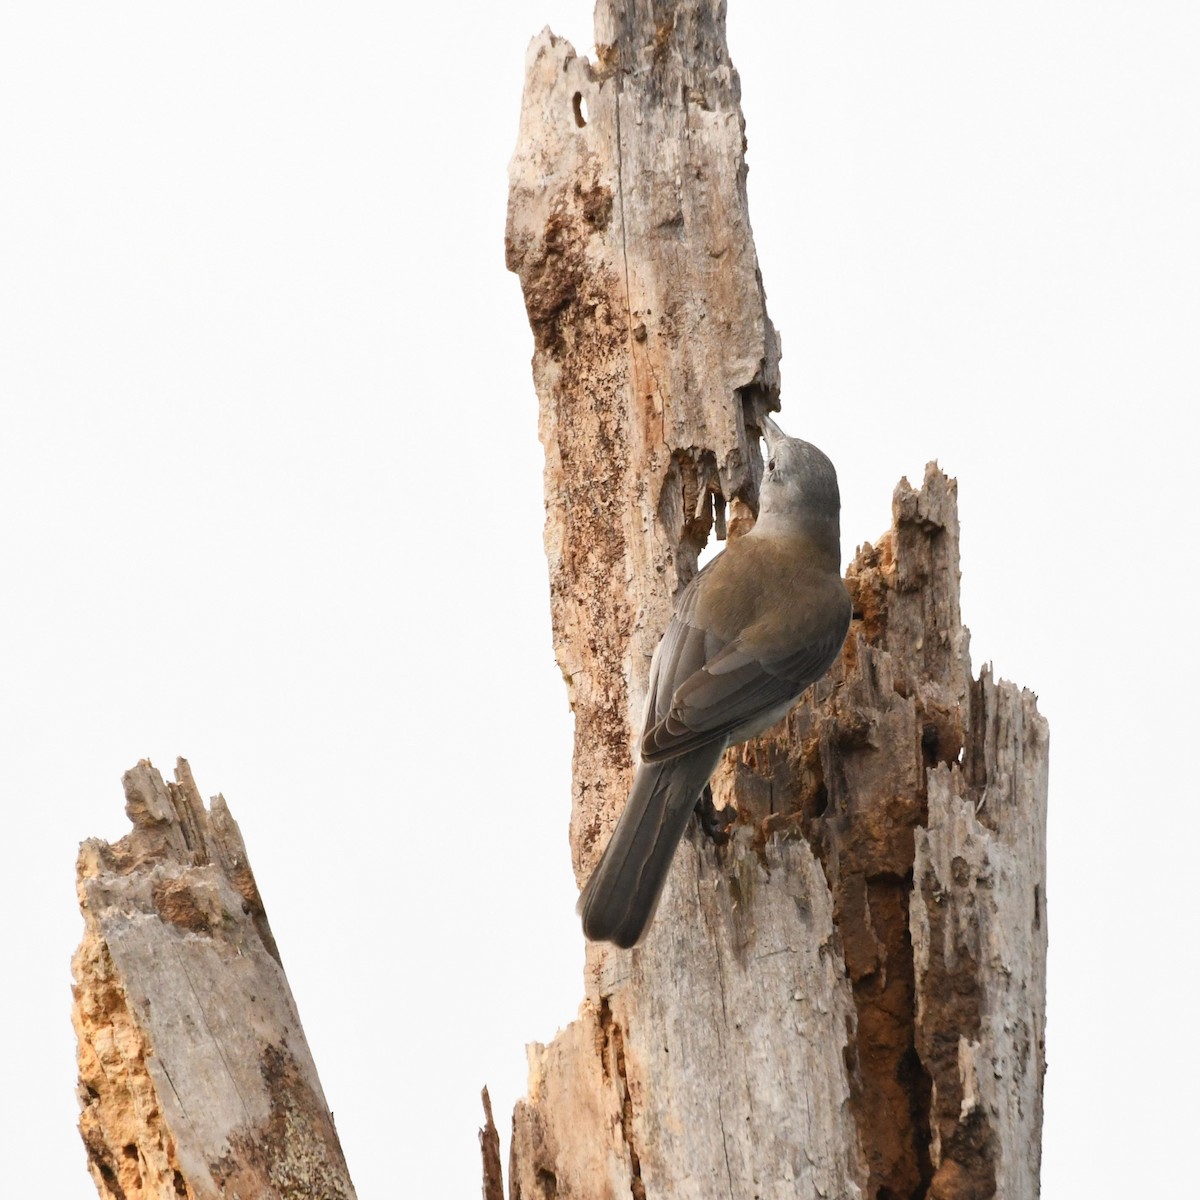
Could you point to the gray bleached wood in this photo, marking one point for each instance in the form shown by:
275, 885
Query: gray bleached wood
979, 935
194, 1075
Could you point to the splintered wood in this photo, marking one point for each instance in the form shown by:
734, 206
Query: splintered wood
195, 1079
847, 999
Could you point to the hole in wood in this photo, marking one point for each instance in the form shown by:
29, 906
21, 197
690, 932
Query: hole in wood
820, 801
580, 106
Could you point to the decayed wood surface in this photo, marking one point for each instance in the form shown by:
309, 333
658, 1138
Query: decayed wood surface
848, 999
489, 1146
194, 1076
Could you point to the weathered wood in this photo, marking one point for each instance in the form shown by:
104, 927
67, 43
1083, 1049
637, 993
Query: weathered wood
977, 917
194, 1075
489, 1148
650, 327
817, 1003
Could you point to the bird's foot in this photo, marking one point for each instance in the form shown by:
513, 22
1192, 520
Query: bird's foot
714, 821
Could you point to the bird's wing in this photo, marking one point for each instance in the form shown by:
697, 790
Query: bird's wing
728, 691
683, 650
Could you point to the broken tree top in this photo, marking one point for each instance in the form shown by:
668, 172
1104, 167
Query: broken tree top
193, 1066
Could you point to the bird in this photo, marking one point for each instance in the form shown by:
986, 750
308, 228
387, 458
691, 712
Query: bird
764, 620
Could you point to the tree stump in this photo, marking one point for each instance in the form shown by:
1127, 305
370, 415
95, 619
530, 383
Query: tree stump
194, 1076
847, 999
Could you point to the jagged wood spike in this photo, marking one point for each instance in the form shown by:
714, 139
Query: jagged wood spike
195, 1078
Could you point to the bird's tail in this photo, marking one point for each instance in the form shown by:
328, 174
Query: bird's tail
619, 899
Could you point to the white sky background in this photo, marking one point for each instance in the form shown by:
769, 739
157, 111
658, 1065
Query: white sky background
271, 496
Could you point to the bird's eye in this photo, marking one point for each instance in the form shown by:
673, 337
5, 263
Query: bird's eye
771, 465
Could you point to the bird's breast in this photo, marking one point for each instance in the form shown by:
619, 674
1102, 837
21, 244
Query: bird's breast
786, 589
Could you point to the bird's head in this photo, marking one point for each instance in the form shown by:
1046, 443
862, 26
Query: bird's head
799, 480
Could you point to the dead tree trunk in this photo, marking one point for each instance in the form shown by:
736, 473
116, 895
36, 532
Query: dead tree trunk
848, 999
194, 1076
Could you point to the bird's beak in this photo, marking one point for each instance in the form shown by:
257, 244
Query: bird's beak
771, 432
